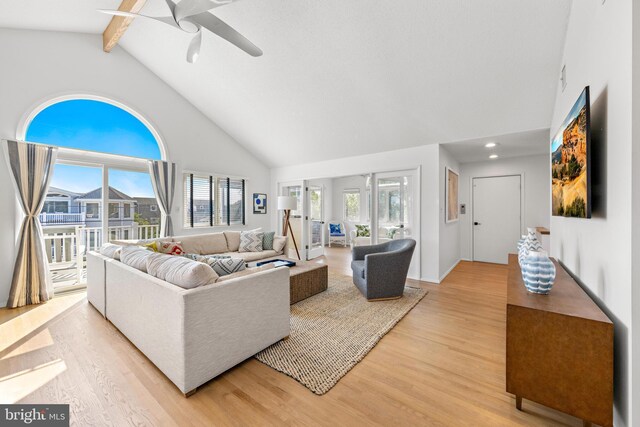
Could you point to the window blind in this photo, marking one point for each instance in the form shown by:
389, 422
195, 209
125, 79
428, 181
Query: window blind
211, 200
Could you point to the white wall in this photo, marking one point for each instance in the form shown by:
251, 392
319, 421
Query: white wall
425, 157
38, 66
350, 182
598, 53
449, 233
536, 189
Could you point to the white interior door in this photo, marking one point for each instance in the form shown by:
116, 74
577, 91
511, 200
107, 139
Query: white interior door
396, 211
298, 232
315, 222
496, 217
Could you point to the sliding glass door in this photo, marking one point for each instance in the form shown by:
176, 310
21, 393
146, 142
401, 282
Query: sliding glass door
71, 222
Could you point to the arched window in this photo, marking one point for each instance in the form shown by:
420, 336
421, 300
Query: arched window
94, 197
93, 125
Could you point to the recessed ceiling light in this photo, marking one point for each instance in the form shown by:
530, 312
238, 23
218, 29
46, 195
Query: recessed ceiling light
493, 156
490, 144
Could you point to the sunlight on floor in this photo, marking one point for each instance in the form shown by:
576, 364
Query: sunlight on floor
39, 341
15, 387
31, 318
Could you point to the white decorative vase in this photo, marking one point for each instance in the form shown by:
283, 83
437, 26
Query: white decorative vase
531, 243
538, 272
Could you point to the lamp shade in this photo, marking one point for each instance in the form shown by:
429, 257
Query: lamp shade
287, 203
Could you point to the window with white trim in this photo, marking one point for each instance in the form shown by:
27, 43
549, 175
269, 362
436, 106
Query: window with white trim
211, 200
351, 204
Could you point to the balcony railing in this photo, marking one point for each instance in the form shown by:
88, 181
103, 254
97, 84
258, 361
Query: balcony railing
62, 218
66, 247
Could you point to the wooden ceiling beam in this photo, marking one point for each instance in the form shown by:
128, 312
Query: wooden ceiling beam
119, 24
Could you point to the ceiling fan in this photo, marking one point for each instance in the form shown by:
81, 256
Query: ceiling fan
191, 16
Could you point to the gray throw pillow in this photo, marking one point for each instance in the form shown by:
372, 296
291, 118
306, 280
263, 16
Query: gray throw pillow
222, 265
251, 241
267, 240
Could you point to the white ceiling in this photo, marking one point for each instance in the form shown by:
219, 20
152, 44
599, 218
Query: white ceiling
342, 78
512, 145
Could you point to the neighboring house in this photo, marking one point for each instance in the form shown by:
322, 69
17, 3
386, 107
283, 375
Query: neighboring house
62, 207
148, 210
121, 208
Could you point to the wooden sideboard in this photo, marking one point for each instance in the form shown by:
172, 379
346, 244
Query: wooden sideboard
559, 348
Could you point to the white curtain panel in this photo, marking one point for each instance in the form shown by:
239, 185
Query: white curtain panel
163, 178
31, 167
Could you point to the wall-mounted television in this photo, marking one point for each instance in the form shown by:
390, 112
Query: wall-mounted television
571, 162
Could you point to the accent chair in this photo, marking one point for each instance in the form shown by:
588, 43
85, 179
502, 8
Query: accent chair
337, 233
380, 271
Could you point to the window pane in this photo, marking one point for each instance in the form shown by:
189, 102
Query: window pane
236, 201
114, 211
187, 201
201, 202
93, 210
127, 210
93, 125
223, 201
351, 200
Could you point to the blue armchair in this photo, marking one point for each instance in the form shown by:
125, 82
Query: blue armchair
380, 271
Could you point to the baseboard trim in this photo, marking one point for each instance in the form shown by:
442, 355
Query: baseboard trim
446, 273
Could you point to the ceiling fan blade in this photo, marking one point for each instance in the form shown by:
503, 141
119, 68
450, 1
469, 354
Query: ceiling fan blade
187, 8
194, 48
221, 29
164, 19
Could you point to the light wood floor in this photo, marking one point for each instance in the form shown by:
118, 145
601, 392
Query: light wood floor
443, 364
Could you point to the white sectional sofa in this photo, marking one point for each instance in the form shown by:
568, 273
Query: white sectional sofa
191, 335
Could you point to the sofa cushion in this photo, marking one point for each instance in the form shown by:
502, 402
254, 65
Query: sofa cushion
180, 271
110, 250
267, 240
246, 272
251, 241
278, 243
135, 256
203, 244
169, 248
233, 240
358, 268
252, 256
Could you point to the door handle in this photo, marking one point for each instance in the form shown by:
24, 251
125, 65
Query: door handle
476, 223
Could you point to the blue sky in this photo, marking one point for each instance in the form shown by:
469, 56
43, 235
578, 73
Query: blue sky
557, 140
95, 126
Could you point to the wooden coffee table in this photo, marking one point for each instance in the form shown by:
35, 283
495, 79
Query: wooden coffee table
306, 279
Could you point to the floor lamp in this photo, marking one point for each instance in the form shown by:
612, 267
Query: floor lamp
287, 204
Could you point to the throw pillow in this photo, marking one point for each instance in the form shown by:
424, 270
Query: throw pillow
135, 256
201, 258
267, 240
250, 241
335, 229
169, 248
247, 272
222, 265
278, 243
362, 231
110, 250
180, 271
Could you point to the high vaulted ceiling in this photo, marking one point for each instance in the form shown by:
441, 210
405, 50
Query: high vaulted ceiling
342, 78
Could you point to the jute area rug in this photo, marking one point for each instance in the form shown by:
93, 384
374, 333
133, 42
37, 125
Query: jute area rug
332, 331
